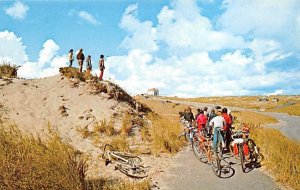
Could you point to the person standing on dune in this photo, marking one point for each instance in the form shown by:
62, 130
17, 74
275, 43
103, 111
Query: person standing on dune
88, 65
71, 57
101, 66
80, 57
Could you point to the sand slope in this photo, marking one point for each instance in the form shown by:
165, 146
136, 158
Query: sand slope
33, 104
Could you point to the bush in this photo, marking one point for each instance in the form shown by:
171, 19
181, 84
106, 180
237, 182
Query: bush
72, 72
8, 70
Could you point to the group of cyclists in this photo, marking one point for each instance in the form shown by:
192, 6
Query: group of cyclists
217, 121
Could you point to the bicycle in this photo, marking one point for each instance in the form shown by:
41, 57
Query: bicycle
188, 131
129, 164
241, 149
202, 144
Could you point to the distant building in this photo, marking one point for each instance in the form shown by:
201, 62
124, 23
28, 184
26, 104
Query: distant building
153, 92
263, 99
275, 100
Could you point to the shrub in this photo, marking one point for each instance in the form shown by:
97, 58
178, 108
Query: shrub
8, 70
71, 72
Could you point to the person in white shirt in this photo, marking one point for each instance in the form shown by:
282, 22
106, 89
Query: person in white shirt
71, 57
217, 123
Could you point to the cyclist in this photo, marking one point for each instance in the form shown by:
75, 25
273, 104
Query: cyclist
227, 127
217, 123
201, 120
189, 117
198, 113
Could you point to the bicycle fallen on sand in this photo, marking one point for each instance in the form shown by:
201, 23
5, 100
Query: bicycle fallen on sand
127, 163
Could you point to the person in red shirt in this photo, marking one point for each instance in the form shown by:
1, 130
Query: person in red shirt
227, 127
201, 120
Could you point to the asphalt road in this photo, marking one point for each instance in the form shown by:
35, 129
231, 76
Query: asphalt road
188, 173
288, 125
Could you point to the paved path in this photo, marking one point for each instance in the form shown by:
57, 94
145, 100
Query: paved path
288, 125
188, 173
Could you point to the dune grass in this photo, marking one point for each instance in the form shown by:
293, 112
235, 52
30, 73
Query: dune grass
8, 70
164, 135
29, 163
165, 127
253, 118
282, 155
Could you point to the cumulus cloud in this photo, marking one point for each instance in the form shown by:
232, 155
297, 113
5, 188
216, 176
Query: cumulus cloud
141, 35
88, 18
18, 10
189, 70
48, 63
263, 19
183, 27
12, 49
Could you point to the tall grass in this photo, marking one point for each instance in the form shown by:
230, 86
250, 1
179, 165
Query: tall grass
282, 155
28, 163
164, 135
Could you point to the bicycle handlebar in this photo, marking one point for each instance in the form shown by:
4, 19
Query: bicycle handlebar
105, 149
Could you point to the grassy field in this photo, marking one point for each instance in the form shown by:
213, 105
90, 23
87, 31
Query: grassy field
282, 155
286, 104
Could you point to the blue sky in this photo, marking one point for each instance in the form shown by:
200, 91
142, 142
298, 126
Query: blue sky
183, 47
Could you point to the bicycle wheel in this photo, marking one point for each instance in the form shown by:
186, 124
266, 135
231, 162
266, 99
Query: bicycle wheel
216, 164
198, 151
254, 150
132, 171
242, 157
127, 158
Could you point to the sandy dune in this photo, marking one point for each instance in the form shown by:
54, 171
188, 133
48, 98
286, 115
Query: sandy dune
34, 104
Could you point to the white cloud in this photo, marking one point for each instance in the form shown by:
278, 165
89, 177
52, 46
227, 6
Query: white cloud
12, 49
18, 10
140, 34
263, 19
48, 63
184, 28
49, 50
88, 18
189, 70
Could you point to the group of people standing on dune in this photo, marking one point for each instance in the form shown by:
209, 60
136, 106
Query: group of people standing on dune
80, 58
